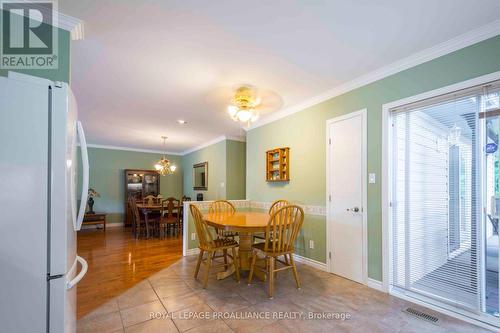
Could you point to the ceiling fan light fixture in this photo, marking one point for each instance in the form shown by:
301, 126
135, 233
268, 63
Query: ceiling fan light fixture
243, 105
245, 115
232, 110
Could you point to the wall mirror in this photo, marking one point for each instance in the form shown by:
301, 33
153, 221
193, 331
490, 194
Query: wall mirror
200, 176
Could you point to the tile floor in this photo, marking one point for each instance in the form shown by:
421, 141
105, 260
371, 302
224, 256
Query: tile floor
173, 295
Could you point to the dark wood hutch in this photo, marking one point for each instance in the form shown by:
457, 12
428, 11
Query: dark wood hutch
139, 184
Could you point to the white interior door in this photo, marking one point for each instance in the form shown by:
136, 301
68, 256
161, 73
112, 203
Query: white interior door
346, 199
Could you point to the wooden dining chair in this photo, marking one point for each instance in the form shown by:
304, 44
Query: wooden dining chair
284, 226
170, 217
138, 223
223, 207
150, 200
274, 207
210, 245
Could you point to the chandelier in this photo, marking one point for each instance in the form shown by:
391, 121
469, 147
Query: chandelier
243, 105
163, 166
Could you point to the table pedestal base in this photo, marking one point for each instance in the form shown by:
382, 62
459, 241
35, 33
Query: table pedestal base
245, 259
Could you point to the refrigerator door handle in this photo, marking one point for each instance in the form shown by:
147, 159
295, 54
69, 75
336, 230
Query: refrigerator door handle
80, 275
85, 176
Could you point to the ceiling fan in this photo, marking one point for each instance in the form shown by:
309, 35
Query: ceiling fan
246, 103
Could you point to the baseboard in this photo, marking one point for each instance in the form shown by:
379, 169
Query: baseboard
191, 252
310, 262
108, 225
306, 261
375, 284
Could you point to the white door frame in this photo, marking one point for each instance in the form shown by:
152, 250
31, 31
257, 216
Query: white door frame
387, 183
329, 245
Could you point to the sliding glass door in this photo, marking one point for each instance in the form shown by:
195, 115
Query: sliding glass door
445, 199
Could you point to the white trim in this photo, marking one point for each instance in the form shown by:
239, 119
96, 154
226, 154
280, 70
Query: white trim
206, 144
364, 161
236, 138
308, 209
303, 260
386, 166
108, 225
191, 252
310, 262
72, 24
188, 151
469, 38
214, 141
445, 311
93, 145
375, 284
387, 193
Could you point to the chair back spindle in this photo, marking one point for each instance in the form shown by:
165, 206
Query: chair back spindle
284, 226
277, 205
202, 228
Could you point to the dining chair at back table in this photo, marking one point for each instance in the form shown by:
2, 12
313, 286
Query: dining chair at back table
170, 216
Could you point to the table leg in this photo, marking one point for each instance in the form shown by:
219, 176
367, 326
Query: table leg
147, 224
245, 254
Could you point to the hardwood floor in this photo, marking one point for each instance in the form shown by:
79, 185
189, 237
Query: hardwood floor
117, 261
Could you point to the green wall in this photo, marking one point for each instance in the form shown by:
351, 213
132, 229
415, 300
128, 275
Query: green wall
60, 74
107, 178
215, 155
235, 169
304, 133
226, 170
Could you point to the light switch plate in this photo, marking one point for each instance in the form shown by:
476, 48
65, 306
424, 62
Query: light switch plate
371, 178
311, 244
193, 236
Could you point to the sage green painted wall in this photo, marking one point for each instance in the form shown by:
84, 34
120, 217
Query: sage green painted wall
63, 71
304, 133
107, 178
226, 166
235, 170
215, 155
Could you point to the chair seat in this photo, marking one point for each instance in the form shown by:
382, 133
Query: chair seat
269, 252
221, 243
168, 220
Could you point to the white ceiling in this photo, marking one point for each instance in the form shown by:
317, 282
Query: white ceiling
145, 64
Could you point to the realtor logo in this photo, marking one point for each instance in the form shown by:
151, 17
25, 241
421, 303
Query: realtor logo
29, 34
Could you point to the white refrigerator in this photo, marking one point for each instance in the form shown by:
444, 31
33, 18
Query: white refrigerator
39, 217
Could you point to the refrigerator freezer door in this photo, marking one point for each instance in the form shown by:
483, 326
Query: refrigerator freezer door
64, 163
24, 132
62, 305
63, 198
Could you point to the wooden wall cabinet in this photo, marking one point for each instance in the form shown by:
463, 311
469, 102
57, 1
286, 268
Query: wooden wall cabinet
278, 165
139, 184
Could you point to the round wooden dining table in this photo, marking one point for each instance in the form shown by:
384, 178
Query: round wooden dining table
245, 224
155, 208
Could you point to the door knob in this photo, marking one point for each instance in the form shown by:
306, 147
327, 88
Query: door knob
355, 209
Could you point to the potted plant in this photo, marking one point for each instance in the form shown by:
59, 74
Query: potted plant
90, 201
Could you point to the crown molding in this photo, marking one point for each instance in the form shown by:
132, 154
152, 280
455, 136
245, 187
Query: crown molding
206, 144
236, 138
214, 141
92, 145
188, 151
72, 24
467, 39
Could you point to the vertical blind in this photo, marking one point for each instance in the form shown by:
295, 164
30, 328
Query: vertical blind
436, 199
